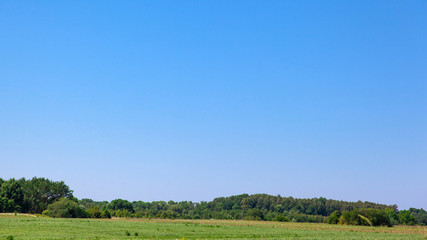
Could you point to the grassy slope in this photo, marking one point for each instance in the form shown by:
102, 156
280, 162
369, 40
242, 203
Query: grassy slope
26, 227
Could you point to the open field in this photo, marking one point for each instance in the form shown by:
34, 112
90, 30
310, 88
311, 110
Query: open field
30, 227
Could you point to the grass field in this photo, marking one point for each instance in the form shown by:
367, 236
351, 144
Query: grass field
30, 227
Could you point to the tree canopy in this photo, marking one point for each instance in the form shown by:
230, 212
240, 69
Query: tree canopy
39, 194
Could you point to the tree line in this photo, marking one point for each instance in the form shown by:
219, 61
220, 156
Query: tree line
55, 199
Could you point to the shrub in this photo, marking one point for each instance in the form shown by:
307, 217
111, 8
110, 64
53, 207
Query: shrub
120, 204
297, 216
334, 217
366, 217
376, 217
269, 216
106, 214
420, 215
254, 214
392, 215
281, 218
406, 218
65, 208
349, 218
123, 213
168, 214
95, 212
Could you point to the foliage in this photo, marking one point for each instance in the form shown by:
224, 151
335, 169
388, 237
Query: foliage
40, 192
94, 212
7, 205
366, 217
106, 214
406, 218
392, 215
334, 217
36, 194
11, 196
420, 215
378, 217
88, 203
254, 214
281, 218
120, 204
296, 216
65, 208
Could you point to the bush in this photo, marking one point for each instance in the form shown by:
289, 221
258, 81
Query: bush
65, 208
254, 214
95, 212
334, 217
377, 217
120, 204
123, 213
281, 218
392, 215
168, 214
269, 216
420, 215
365, 217
406, 218
7, 205
296, 216
106, 214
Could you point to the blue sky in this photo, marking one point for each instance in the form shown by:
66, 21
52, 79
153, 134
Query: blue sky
191, 100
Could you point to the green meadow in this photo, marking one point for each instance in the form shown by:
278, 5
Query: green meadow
32, 227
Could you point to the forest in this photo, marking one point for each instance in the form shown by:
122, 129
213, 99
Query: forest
55, 199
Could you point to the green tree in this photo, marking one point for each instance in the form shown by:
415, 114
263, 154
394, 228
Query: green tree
40, 192
12, 194
281, 218
6, 205
420, 215
406, 218
106, 214
65, 208
120, 204
350, 218
94, 212
334, 217
254, 214
392, 215
366, 217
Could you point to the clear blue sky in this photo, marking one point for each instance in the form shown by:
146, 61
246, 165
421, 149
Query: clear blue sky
191, 100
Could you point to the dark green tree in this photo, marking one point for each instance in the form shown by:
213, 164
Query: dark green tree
94, 212
254, 214
420, 215
65, 208
40, 192
334, 217
120, 204
12, 191
406, 218
281, 218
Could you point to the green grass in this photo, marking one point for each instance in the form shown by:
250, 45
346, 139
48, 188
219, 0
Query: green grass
27, 227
